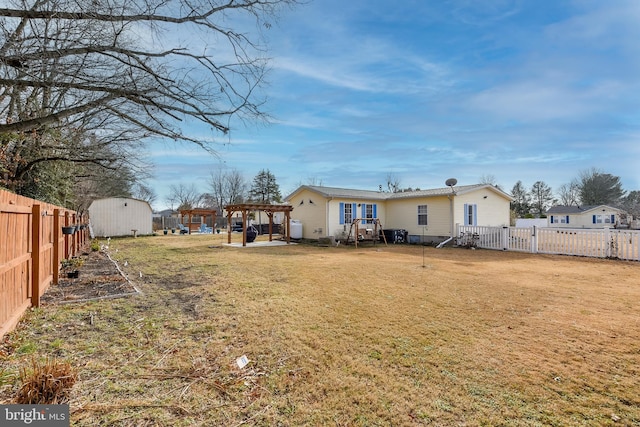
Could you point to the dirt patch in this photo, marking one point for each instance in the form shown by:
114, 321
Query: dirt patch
98, 278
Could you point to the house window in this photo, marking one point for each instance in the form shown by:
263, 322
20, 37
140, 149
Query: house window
368, 213
348, 214
422, 214
470, 214
604, 219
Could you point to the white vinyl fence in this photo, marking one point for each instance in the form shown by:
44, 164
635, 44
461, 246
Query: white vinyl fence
601, 243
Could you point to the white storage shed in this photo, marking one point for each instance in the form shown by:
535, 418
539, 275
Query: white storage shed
119, 216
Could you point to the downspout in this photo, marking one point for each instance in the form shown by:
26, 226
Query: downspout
442, 244
326, 217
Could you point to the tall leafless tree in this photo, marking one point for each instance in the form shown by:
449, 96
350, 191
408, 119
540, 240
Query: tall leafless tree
227, 187
183, 196
79, 76
393, 183
569, 194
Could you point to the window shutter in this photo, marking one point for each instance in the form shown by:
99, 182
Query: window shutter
466, 214
594, 219
567, 219
613, 219
341, 213
363, 210
551, 219
375, 211
475, 215
354, 211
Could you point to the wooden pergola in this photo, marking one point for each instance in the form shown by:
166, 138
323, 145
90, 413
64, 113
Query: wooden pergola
245, 208
198, 212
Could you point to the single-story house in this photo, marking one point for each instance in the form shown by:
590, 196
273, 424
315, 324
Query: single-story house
119, 216
426, 215
600, 216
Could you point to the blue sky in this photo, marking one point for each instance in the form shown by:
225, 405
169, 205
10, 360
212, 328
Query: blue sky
426, 90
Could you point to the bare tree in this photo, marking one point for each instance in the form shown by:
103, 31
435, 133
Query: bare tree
227, 187
393, 183
76, 77
490, 180
184, 196
142, 191
569, 194
104, 68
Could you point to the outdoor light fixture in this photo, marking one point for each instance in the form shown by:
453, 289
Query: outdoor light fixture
125, 203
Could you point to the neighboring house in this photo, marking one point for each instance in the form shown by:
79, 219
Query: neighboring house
426, 215
167, 213
531, 222
119, 216
600, 216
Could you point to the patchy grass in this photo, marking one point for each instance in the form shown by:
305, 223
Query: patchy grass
344, 336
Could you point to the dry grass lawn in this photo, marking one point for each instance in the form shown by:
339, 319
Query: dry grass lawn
378, 335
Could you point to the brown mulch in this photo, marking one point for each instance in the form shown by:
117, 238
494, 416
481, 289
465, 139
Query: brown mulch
99, 278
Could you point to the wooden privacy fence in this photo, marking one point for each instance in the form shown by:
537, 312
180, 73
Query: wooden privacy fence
597, 243
32, 245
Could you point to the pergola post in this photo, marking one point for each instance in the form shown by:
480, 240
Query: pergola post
244, 227
270, 215
287, 216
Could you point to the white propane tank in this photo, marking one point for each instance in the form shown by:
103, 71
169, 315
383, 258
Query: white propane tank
296, 229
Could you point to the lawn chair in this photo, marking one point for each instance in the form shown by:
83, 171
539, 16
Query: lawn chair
205, 229
183, 229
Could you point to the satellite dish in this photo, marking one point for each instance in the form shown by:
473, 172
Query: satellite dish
451, 182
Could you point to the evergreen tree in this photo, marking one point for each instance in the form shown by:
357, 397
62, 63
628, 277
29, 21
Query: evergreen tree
521, 204
541, 197
265, 189
598, 188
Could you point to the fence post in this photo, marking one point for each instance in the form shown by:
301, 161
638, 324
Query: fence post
505, 238
66, 236
534, 240
36, 219
56, 246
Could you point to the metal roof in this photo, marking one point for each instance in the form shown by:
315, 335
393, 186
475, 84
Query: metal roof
380, 195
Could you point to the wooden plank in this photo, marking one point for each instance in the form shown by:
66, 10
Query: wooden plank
11, 322
35, 256
4, 207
